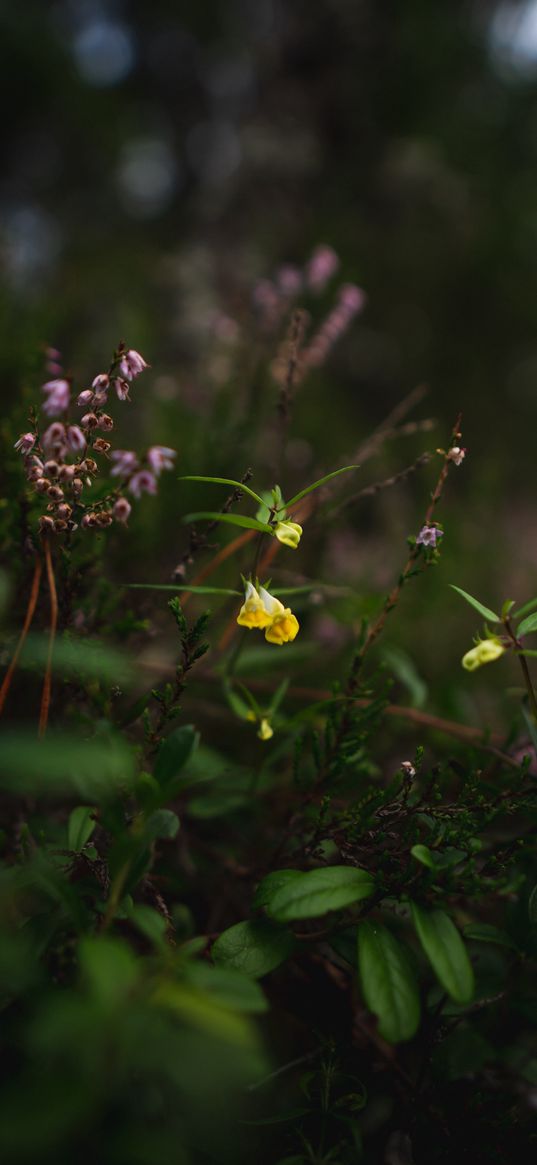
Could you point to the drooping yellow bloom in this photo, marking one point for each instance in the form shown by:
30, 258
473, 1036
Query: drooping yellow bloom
253, 612
265, 730
289, 533
486, 651
283, 626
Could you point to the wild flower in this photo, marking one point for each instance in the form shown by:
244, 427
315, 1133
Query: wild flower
124, 462
429, 536
265, 730
456, 455
253, 612
322, 266
132, 364
160, 457
289, 533
142, 482
25, 443
485, 651
58, 396
264, 612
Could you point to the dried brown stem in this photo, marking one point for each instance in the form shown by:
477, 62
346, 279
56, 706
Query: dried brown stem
45, 698
30, 611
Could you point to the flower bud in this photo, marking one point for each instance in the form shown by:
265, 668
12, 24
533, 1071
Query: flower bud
101, 382
67, 473
76, 439
45, 524
42, 485
121, 510
52, 468
89, 519
64, 511
55, 493
89, 465
105, 422
25, 442
104, 518
85, 398
77, 486
265, 729
60, 525
101, 446
89, 421
35, 472
289, 533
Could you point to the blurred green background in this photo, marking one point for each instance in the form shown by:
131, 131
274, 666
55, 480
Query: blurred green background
159, 159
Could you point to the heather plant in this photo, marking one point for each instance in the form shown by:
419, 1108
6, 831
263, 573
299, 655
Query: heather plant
252, 906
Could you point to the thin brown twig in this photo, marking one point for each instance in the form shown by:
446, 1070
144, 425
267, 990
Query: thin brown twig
30, 611
377, 486
389, 426
45, 698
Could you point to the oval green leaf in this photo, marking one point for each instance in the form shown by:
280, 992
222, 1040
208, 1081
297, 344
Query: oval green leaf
319, 891
254, 947
389, 987
445, 951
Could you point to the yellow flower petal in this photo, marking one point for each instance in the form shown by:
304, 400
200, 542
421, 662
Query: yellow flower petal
289, 533
283, 628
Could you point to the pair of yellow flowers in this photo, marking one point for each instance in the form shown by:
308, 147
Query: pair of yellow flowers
263, 611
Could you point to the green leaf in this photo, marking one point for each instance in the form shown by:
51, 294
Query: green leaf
173, 753
277, 698
149, 922
388, 983
423, 854
484, 611
80, 827
231, 519
319, 891
532, 905
316, 484
525, 610
273, 882
96, 768
527, 625
225, 481
109, 969
227, 987
437, 859
162, 824
405, 671
483, 932
254, 947
446, 952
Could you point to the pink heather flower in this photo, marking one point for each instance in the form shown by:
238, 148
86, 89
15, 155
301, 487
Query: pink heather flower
101, 382
122, 388
85, 398
289, 280
121, 510
457, 455
351, 298
322, 266
132, 364
76, 439
265, 295
124, 461
58, 395
25, 442
53, 438
160, 457
143, 482
428, 536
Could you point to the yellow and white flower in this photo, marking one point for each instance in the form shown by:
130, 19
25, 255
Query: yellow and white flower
289, 533
253, 612
265, 729
485, 651
263, 611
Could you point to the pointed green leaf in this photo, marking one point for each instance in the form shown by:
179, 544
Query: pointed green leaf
225, 481
423, 854
316, 484
483, 932
388, 983
174, 587
445, 951
319, 891
484, 611
254, 947
230, 519
525, 609
528, 624
80, 827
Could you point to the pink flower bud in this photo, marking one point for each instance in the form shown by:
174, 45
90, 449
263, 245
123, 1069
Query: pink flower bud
55, 493
77, 486
42, 485
121, 510
124, 463
58, 395
101, 382
53, 439
289, 280
89, 421
104, 518
25, 442
64, 511
45, 525
142, 482
351, 297
160, 457
76, 439
101, 446
132, 364
323, 264
89, 520
85, 398
105, 422
52, 468
67, 473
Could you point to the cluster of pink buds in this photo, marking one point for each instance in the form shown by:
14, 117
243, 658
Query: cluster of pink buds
273, 297
60, 461
350, 301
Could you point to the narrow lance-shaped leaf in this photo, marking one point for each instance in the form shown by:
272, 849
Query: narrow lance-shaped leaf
174, 587
317, 484
225, 481
230, 519
484, 611
388, 983
526, 608
445, 951
528, 624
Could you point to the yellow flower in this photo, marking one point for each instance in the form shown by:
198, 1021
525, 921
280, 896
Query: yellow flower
284, 626
253, 612
289, 533
265, 730
486, 651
